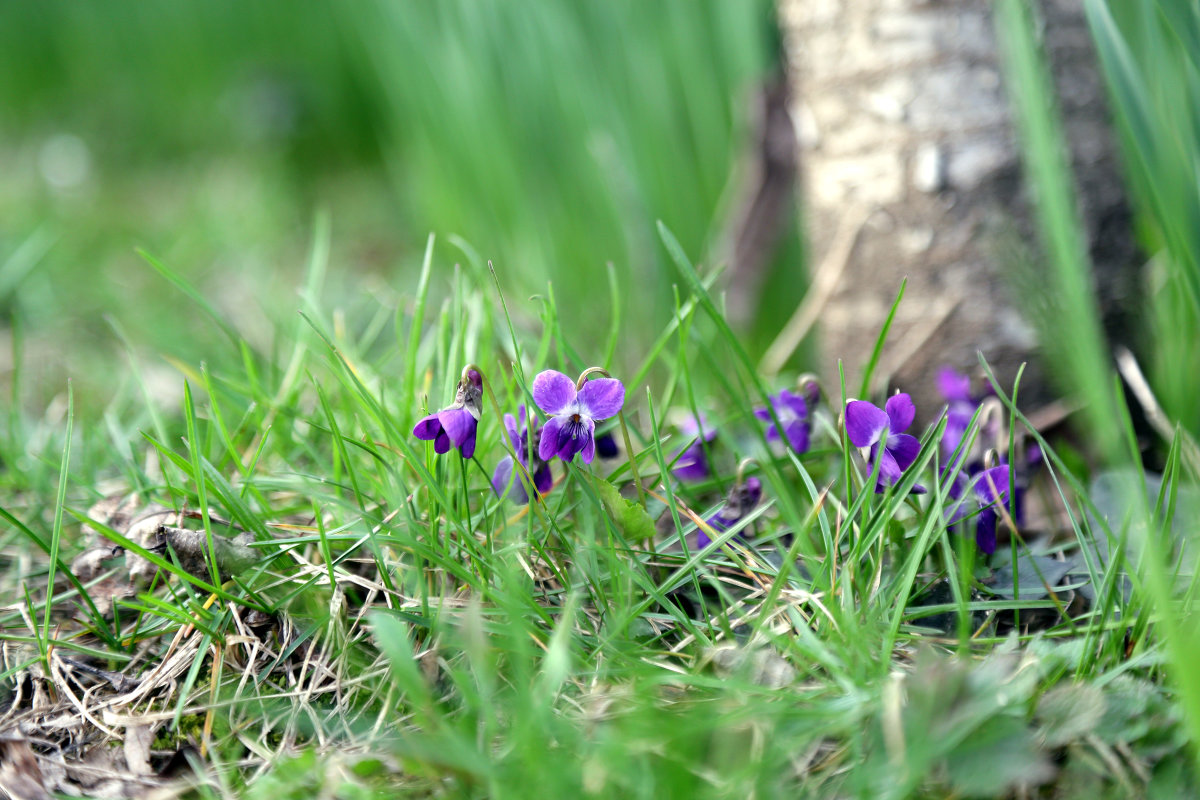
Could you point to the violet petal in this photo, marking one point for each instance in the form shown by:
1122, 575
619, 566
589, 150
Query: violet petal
574, 436
901, 411
691, 426
953, 385
904, 449
797, 435
588, 451
864, 423
889, 470
606, 446
548, 446
691, 464
753, 491
458, 424
553, 392
992, 484
985, 531
428, 428
601, 398
958, 419
467, 446
504, 476
792, 402
543, 479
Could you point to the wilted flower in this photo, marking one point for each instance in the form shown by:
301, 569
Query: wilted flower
792, 411
865, 426
810, 389
692, 463
524, 438
741, 501
574, 409
456, 424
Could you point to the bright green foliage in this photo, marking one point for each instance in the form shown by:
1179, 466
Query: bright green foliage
426, 638
408, 633
631, 518
549, 135
1150, 53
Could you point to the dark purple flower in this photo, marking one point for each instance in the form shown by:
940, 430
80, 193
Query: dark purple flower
455, 425
990, 489
606, 445
865, 426
525, 439
740, 502
573, 413
692, 463
792, 412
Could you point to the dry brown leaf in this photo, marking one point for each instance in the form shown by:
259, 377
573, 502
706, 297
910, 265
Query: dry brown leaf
138, 525
761, 665
95, 561
20, 775
138, 739
151, 528
233, 556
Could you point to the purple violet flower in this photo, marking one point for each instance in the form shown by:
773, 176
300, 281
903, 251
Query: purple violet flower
525, 439
990, 488
456, 424
692, 463
865, 426
961, 406
792, 412
573, 413
956, 388
740, 502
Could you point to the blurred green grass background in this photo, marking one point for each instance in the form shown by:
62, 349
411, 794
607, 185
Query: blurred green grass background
1150, 56
550, 137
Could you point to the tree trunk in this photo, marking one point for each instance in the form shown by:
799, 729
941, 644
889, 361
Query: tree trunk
909, 167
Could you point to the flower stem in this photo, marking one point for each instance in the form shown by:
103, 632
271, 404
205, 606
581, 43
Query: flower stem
637, 481
466, 495
536, 501
742, 466
530, 489
583, 376
993, 409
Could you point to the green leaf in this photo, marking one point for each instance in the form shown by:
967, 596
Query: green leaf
630, 517
1000, 756
1070, 712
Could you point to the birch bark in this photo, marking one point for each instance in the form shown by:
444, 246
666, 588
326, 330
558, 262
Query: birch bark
907, 146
